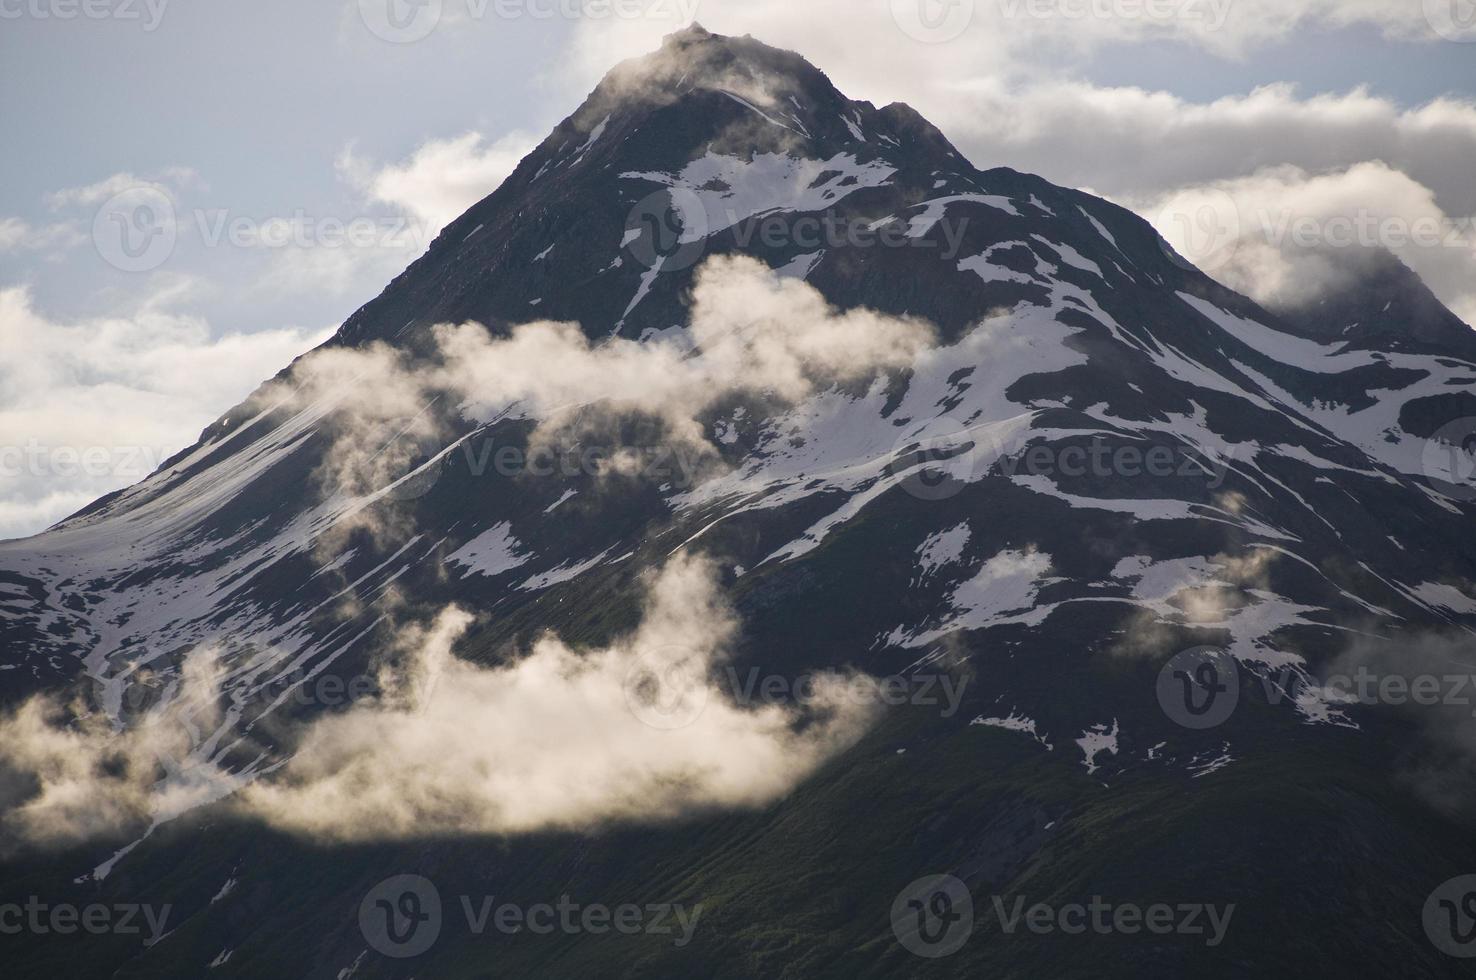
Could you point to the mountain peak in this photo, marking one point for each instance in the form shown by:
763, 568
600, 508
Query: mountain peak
765, 98
695, 59
1377, 302
693, 32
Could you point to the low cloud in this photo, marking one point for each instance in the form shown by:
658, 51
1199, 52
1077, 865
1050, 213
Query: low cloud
90, 195
442, 178
750, 330
933, 50
636, 731
1131, 143
1287, 237
52, 239
93, 405
1429, 679
66, 776
1183, 596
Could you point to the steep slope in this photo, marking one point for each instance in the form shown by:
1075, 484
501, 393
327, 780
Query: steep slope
1103, 458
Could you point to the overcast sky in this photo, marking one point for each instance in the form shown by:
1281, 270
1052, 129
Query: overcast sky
265, 127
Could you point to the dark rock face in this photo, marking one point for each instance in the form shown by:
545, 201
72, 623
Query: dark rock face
1108, 459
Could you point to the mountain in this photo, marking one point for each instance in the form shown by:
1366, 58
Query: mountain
976, 435
1384, 306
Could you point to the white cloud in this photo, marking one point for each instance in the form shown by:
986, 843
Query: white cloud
1289, 236
1126, 141
750, 330
317, 259
442, 178
403, 206
639, 730
130, 389
16, 234
850, 39
67, 776
89, 406
753, 330
100, 191
13, 232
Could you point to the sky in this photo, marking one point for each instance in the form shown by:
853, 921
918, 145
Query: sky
288, 158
